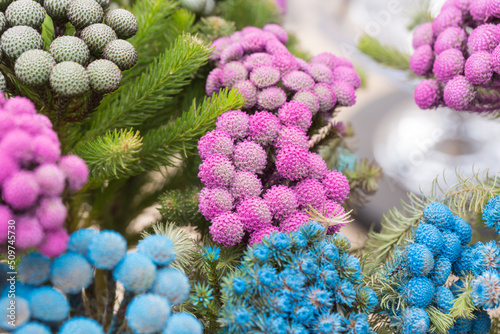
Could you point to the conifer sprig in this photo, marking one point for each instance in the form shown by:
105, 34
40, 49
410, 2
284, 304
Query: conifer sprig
385, 55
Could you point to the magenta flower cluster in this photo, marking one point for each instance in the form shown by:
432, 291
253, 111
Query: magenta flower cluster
258, 171
33, 179
459, 55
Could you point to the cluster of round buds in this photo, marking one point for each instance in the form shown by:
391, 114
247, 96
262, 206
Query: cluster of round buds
437, 253
258, 171
33, 179
296, 283
46, 286
92, 59
459, 55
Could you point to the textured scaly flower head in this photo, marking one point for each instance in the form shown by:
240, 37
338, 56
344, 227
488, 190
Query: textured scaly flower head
300, 279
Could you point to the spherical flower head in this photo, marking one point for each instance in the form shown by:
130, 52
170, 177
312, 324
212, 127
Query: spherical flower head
415, 320
478, 68
219, 45
309, 98
419, 292
449, 17
294, 221
55, 243
81, 325
345, 293
34, 269
310, 192
285, 62
123, 22
249, 91
227, 229
292, 136
449, 64
51, 179
158, 248
21, 190
484, 38
33, 328
327, 97
271, 98
246, 184
325, 58
274, 47
215, 142
172, 284
29, 232
232, 53
451, 38
347, 74
21, 309
33, 67
430, 236
297, 80
318, 166
216, 171
278, 31
76, 171
254, 213
51, 213
281, 200
183, 323
423, 35
232, 73
293, 162
71, 273
8, 166
482, 323
46, 150
459, 93
234, 123
485, 256
428, 94
263, 127
295, 113
136, 272
250, 156
345, 92
214, 202
479, 10
420, 259
257, 59
148, 313
336, 185
258, 235
106, 249
17, 145
265, 76
486, 290
444, 299
18, 39
321, 73
80, 240
439, 215
463, 230
253, 42
441, 271
368, 299
214, 81
491, 213
48, 304
421, 60
451, 246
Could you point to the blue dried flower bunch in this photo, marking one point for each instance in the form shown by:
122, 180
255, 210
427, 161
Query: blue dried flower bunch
51, 292
299, 282
423, 275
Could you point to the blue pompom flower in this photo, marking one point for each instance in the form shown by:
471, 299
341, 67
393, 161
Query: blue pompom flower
329, 323
48, 304
81, 325
441, 271
463, 230
420, 259
172, 284
157, 247
19, 312
430, 236
486, 290
451, 247
183, 323
357, 324
419, 292
21, 290
367, 299
136, 272
487, 256
79, 241
106, 249
147, 313
34, 269
482, 323
415, 321
345, 293
444, 299
439, 215
491, 213
33, 328
71, 273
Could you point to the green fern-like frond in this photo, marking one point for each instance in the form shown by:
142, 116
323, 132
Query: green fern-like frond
184, 244
148, 94
386, 55
440, 322
463, 306
111, 154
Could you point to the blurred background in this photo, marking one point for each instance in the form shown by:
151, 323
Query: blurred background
412, 146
